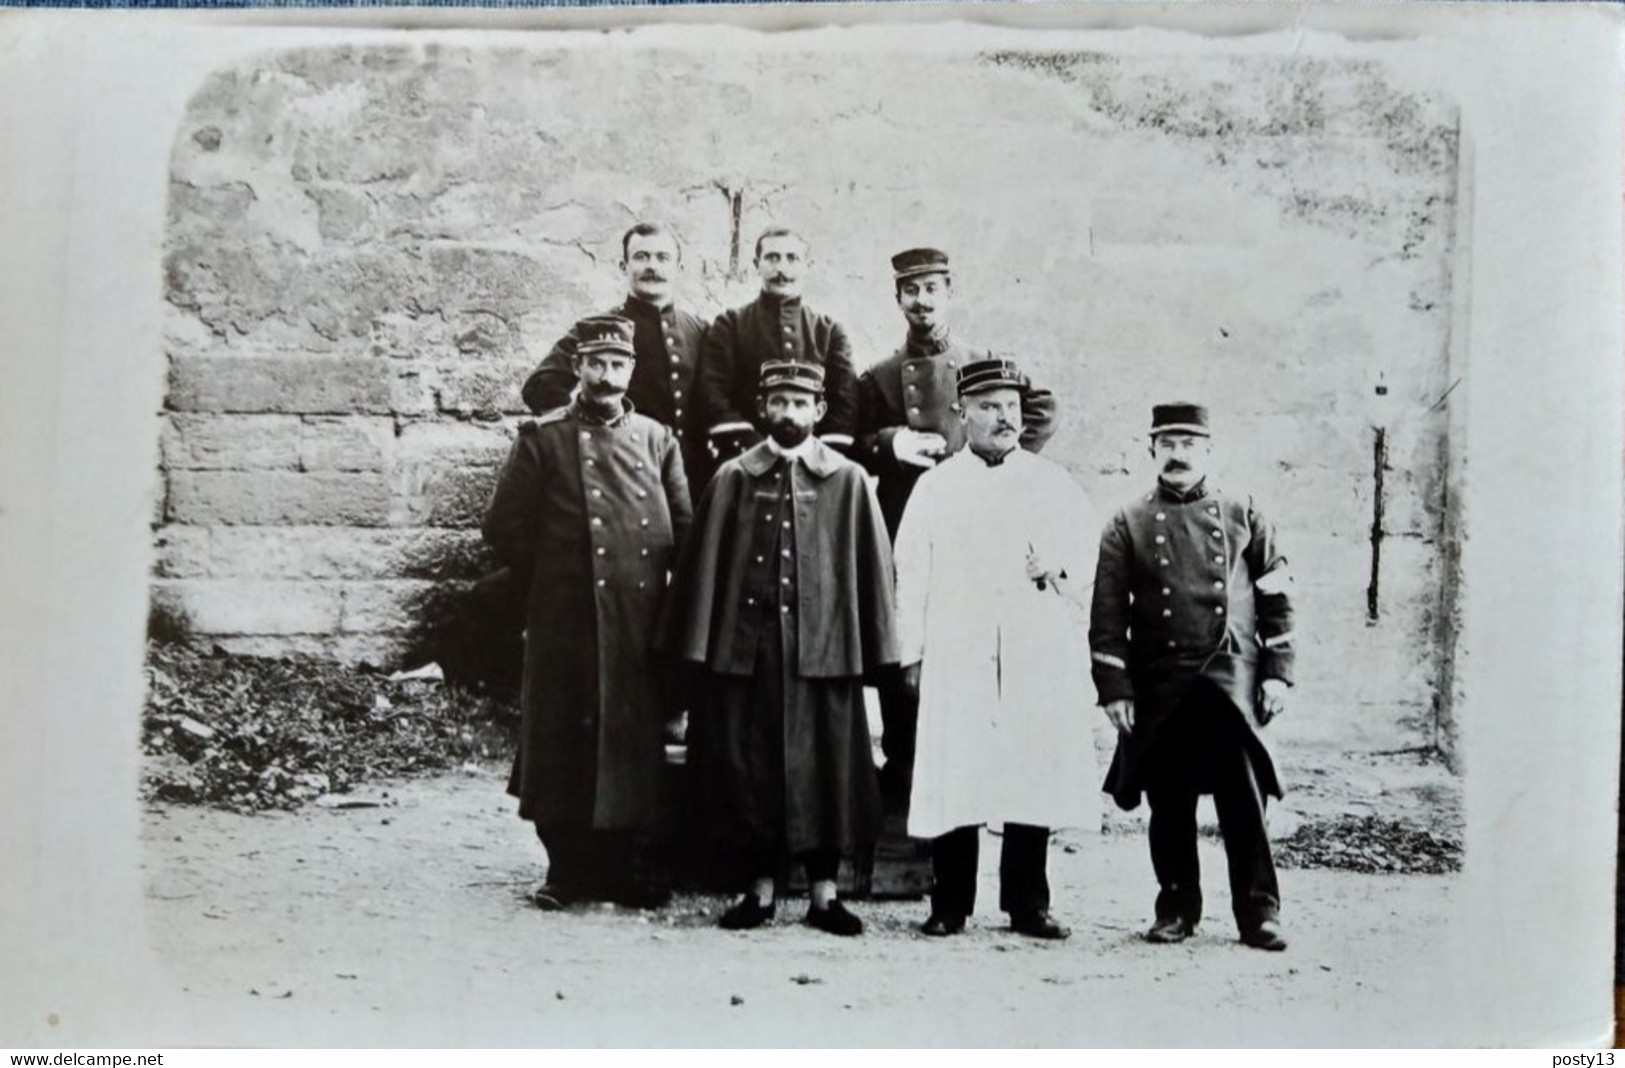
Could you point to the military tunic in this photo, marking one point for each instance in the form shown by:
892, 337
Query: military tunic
1189, 586
915, 388
592, 513
737, 345
667, 343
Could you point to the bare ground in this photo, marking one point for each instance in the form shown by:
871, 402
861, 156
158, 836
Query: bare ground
408, 924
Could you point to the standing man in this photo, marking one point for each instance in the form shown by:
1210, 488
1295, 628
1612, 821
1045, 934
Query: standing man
588, 510
775, 326
783, 600
1191, 631
909, 419
666, 342
992, 565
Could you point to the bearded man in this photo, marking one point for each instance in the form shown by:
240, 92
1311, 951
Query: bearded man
782, 604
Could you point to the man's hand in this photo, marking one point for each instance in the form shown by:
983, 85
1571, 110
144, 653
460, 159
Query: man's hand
1272, 702
1121, 713
1037, 570
911, 679
917, 447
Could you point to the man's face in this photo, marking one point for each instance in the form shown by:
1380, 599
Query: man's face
1181, 458
992, 420
604, 375
651, 267
790, 415
924, 300
781, 264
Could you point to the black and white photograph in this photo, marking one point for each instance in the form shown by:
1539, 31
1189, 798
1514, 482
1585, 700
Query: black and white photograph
966, 527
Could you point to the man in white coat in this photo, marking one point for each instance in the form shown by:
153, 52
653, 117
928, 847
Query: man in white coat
994, 561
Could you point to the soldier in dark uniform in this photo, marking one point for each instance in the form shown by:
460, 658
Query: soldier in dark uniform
588, 512
1191, 641
667, 343
775, 326
782, 601
908, 421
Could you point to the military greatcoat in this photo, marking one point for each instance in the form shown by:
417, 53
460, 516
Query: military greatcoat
1188, 586
592, 513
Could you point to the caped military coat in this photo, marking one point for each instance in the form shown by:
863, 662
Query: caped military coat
783, 596
667, 342
590, 514
916, 387
1188, 586
736, 346
844, 586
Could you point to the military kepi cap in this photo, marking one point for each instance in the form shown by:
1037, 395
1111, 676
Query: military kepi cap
919, 261
605, 333
1179, 418
791, 374
978, 376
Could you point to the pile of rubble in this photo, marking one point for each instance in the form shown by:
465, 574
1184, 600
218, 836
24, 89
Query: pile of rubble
251, 733
1369, 844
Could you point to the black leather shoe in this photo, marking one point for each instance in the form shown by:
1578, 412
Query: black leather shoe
1171, 929
747, 914
835, 920
941, 926
1266, 936
1039, 924
551, 897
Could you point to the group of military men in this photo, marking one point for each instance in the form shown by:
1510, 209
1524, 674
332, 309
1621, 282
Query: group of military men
727, 524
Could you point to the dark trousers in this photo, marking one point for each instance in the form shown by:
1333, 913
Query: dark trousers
899, 727
597, 864
1023, 875
1201, 750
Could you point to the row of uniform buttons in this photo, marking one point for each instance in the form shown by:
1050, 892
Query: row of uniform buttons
598, 520
1218, 558
676, 376
914, 390
761, 558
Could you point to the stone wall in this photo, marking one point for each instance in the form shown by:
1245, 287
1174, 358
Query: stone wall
370, 247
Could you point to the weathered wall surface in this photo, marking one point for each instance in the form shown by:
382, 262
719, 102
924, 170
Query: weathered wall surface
369, 248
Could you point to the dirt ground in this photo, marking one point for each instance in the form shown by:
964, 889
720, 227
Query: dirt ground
408, 924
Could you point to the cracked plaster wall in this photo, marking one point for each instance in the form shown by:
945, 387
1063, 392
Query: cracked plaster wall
368, 249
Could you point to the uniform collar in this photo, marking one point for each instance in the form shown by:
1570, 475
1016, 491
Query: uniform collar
580, 412
931, 346
819, 459
1173, 496
636, 308
778, 304
999, 462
